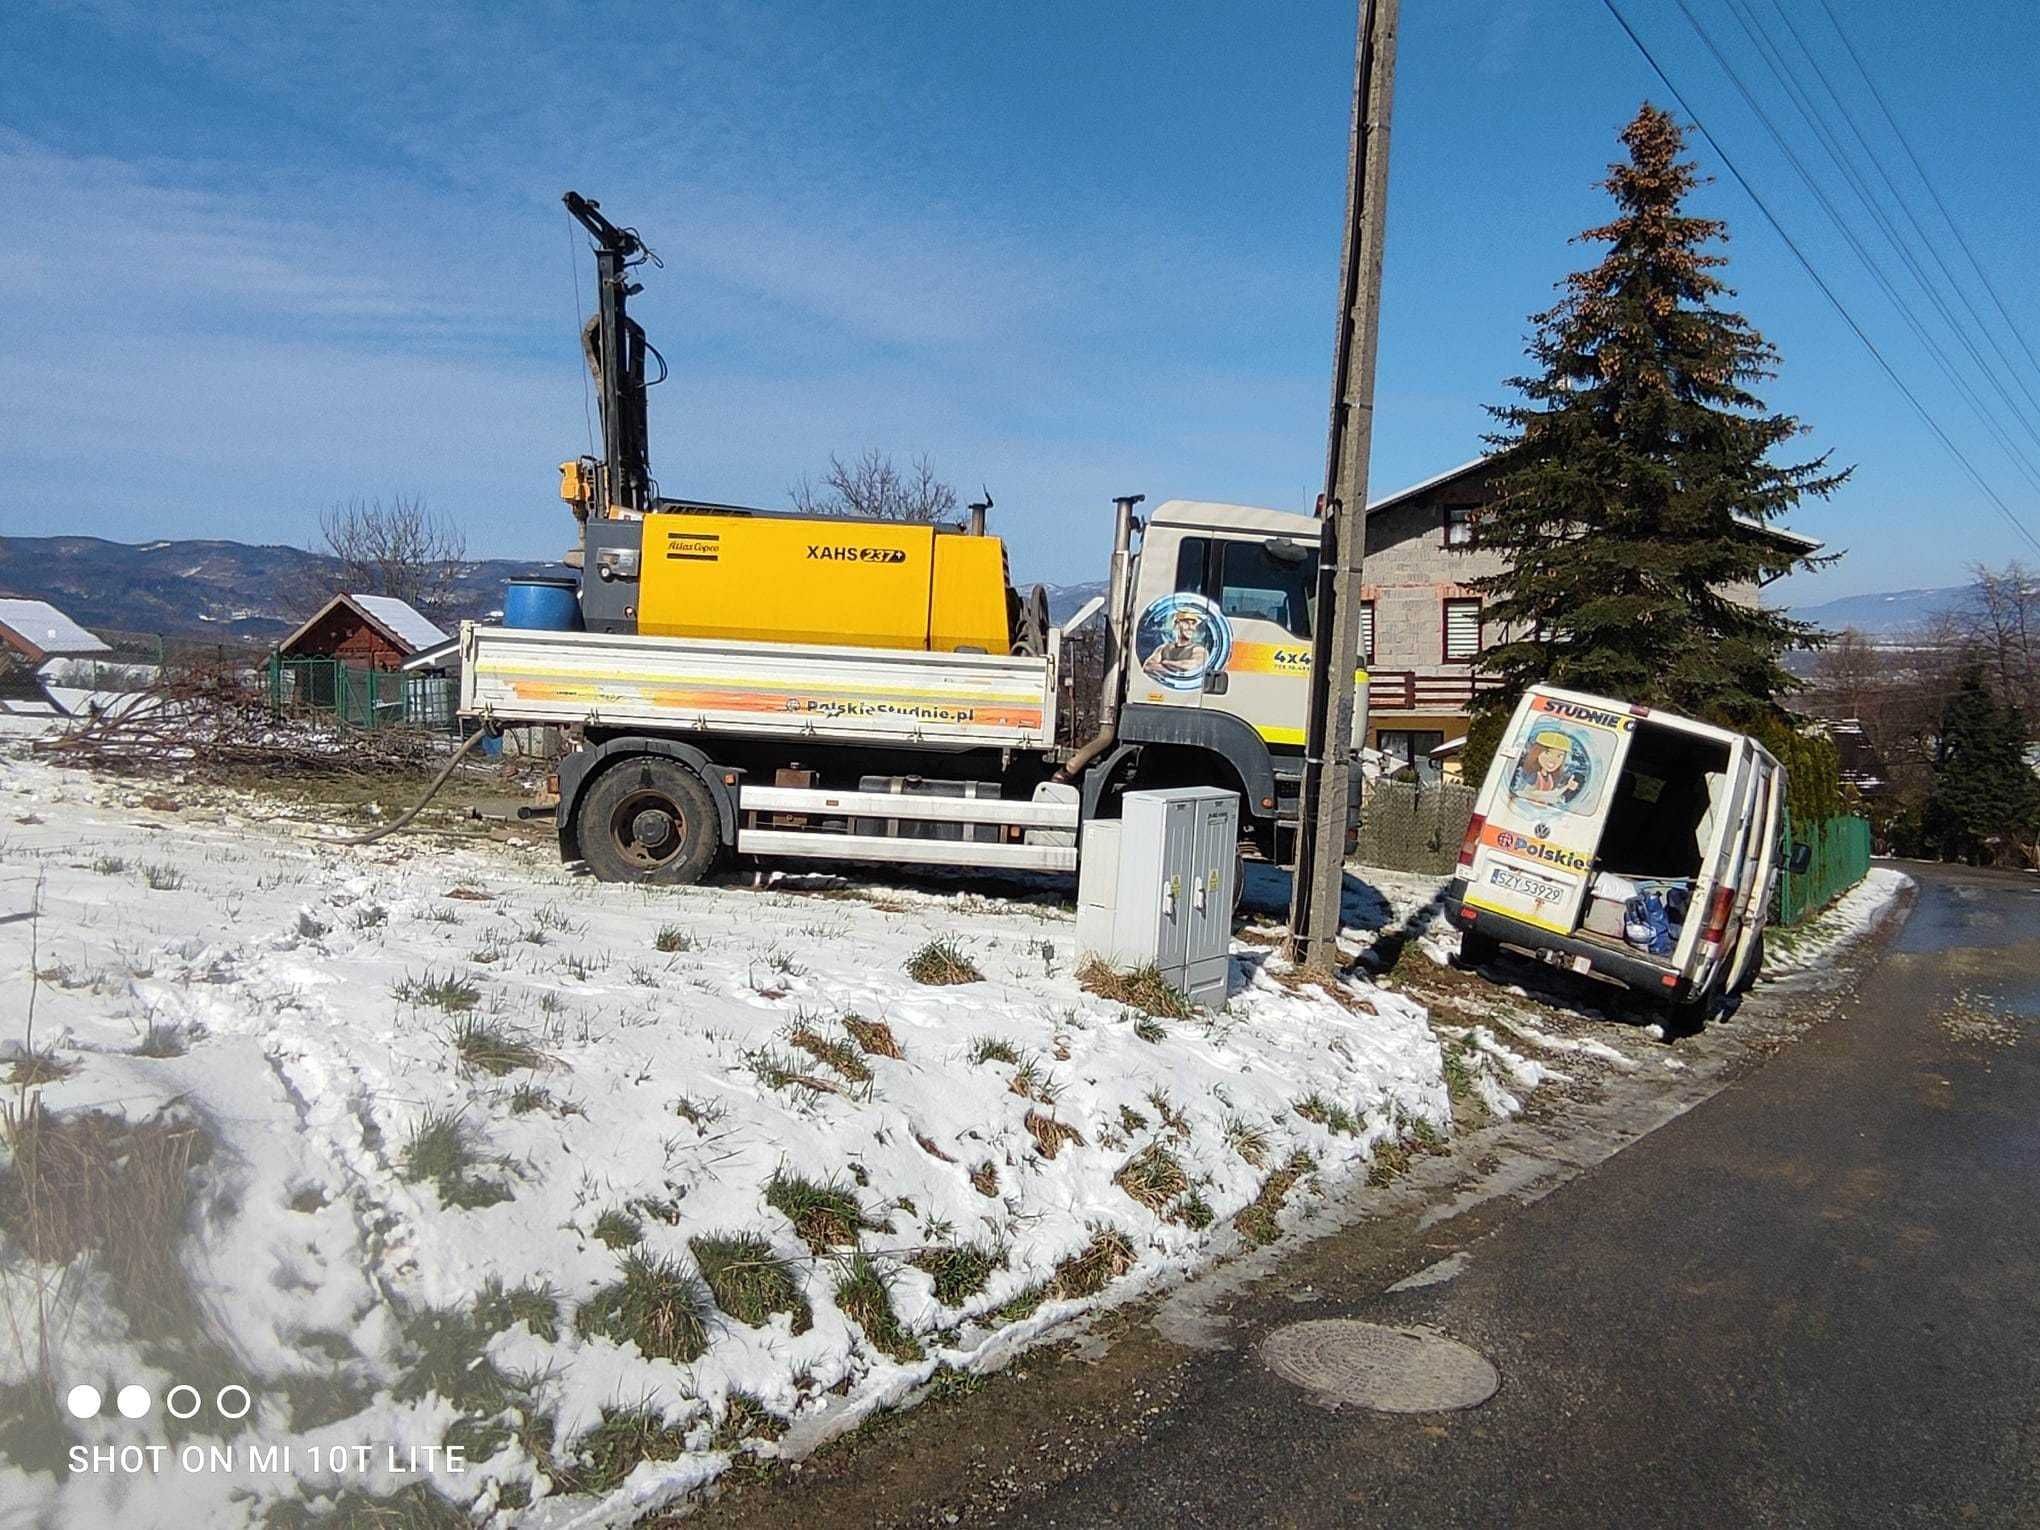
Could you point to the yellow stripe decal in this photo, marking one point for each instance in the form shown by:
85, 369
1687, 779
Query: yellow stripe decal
510, 674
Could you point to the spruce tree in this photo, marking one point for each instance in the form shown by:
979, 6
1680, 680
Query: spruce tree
1632, 470
1985, 799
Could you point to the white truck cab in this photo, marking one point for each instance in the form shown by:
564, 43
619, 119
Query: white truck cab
1624, 843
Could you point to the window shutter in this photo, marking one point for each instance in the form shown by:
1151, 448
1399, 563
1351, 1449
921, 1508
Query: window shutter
1366, 632
1462, 629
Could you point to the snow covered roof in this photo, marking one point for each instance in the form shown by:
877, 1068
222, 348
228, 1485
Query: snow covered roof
39, 630
394, 618
400, 621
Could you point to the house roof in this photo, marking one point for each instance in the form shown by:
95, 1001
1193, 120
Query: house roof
38, 630
1469, 468
393, 618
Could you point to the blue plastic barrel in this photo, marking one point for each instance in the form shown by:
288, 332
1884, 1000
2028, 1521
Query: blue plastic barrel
543, 604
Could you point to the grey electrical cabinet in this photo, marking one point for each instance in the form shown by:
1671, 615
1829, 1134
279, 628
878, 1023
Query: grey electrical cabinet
1156, 886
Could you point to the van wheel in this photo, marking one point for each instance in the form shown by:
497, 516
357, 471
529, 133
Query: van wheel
1688, 1017
1476, 949
648, 819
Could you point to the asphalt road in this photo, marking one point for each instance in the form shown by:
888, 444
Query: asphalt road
1814, 1299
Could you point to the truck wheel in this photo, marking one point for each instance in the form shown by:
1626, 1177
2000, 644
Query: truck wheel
648, 819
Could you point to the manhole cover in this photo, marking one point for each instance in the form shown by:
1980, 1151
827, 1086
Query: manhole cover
1343, 1362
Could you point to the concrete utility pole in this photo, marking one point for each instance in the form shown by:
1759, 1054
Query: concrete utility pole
1335, 653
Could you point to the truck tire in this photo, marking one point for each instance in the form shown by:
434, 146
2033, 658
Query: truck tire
648, 819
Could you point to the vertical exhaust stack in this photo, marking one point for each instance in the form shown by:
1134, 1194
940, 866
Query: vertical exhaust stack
1118, 639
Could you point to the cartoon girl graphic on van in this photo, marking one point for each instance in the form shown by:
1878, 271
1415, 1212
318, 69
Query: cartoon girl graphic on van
1552, 771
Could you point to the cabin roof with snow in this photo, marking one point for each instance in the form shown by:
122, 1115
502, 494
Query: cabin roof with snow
377, 631
37, 630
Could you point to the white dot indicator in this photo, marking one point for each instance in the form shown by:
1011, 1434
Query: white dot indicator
133, 1401
83, 1402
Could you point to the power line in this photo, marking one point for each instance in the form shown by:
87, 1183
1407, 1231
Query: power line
1905, 310
1904, 204
1926, 181
1809, 110
1826, 291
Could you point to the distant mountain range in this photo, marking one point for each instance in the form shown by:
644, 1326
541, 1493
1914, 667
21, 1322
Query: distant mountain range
1887, 614
234, 592
224, 591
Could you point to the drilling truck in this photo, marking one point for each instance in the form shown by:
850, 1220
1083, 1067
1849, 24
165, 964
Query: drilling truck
760, 683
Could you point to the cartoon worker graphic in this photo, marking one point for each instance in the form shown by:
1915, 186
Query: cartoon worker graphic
1181, 640
1550, 769
1185, 655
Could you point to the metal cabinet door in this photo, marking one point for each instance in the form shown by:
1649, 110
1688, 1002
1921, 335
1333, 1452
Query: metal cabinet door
1179, 854
1211, 895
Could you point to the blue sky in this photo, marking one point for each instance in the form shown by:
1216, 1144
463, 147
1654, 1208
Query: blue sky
260, 258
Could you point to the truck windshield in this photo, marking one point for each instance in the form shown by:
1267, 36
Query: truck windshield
1255, 585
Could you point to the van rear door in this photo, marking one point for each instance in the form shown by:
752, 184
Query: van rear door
1546, 803
1727, 863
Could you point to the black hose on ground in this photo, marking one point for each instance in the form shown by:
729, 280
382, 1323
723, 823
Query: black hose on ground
431, 791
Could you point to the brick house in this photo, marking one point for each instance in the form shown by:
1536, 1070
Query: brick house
363, 632
1421, 627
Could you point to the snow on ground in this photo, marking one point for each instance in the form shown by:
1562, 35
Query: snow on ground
614, 1077
1842, 923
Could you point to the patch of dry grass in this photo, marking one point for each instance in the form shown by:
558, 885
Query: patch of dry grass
1256, 1222
749, 1281
865, 1296
1101, 1261
875, 1036
1050, 1135
1143, 989
940, 964
94, 1182
656, 1305
1152, 1177
825, 1216
960, 1270
840, 1055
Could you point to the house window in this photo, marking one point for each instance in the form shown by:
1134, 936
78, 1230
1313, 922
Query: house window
1257, 585
1458, 525
1411, 748
1462, 630
1366, 632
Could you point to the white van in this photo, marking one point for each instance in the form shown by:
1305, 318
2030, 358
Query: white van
1624, 843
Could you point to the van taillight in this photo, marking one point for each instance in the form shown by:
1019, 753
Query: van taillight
1472, 841
1718, 908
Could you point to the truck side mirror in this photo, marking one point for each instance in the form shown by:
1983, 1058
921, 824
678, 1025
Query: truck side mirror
1800, 857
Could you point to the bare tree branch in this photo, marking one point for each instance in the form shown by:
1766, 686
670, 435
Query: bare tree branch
397, 547
873, 488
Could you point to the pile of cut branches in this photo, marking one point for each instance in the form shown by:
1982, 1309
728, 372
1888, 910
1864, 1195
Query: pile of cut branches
216, 722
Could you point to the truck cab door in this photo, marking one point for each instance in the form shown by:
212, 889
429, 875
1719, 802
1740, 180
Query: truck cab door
1265, 589
1180, 640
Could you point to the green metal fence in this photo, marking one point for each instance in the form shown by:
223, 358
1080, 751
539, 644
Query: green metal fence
360, 698
1841, 857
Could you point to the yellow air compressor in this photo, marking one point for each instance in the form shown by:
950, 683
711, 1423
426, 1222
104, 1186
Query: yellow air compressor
801, 579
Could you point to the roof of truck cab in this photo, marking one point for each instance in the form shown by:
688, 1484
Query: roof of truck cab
1211, 515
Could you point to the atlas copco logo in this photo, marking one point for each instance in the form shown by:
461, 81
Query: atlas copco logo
837, 553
